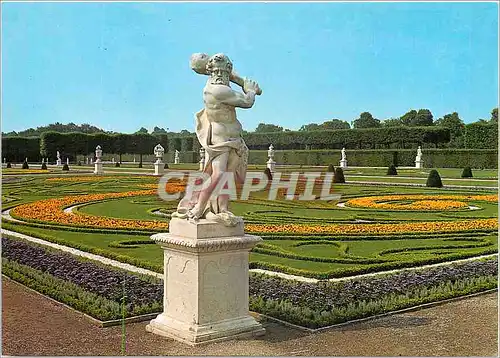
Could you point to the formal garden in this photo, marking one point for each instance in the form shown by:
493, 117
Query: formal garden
384, 245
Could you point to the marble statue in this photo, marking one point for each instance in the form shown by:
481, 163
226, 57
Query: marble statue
419, 163
219, 133
271, 164
176, 157
343, 159
419, 154
58, 161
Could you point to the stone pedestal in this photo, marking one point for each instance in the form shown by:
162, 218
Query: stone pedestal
271, 164
159, 168
419, 164
343, 163
98, 168
206, 283
58, 162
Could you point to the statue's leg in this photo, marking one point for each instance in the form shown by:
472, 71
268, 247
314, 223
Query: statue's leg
219, 166
232, 163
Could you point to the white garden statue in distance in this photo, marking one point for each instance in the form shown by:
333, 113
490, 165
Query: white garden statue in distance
98, 163
271, 164
159, 165
343, 159
58, 161
176, 157
419, 163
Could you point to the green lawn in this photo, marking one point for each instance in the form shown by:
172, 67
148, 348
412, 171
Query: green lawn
346, 253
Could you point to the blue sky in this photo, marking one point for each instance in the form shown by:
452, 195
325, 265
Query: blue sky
122, 66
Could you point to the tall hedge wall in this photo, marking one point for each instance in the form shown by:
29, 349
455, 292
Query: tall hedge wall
17, 149
437, 158
481, 135
372, 138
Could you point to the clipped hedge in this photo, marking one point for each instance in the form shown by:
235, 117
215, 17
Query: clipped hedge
399, 137
433, 158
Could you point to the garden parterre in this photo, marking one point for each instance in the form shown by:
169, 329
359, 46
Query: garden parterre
276, 221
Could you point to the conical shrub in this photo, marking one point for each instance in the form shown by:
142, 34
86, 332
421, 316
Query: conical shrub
467, 172
117, 165
9, 165
44, 166
338, 175
392, 170
65, 167
25, 165
434, 180
331, 168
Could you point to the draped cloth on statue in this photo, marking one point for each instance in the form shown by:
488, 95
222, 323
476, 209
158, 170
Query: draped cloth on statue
238, 153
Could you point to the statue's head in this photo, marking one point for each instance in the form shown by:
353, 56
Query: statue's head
219, 66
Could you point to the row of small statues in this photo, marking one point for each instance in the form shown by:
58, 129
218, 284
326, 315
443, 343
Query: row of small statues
159, 151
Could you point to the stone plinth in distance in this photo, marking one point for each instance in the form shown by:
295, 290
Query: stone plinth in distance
206, 282
159, 168
343, 163
419, 164
98, 168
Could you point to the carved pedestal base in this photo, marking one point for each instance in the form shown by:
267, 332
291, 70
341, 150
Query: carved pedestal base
159, 168
419, 164
98, 168
343, 163
58, 162
206, 283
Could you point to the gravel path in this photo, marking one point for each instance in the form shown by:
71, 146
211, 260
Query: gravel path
34, 325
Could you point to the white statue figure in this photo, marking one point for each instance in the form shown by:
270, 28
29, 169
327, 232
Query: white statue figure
98, 169
158, 152
58, 162
271, 164
202, 159
343, 159
419, 163
219, 133
419, 154
176, 157
98, 153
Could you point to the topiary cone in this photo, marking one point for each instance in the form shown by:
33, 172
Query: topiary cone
434, 180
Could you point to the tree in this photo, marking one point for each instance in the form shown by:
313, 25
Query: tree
328, 125
453, 122
409, 117
366, 120
158, 130
310, 127
142, 130
413, 118
392, 122
494, 115
424, 118
335, 124
267, 128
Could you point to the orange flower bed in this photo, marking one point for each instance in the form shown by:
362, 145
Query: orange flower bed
419, 202
92, 178
52, 211
398, 228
